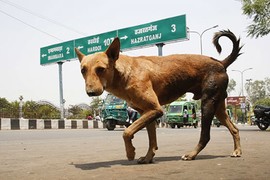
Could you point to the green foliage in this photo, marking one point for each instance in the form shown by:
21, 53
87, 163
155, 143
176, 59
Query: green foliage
258, 90
259, 12
3, 103
5, 108
47, 112
265, 102
231, 86
95, 103
78, 113
34, 110
30, 109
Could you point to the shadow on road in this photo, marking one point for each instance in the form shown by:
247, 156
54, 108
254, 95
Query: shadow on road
125, 162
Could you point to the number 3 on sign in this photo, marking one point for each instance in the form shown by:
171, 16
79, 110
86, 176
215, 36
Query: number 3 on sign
173, 26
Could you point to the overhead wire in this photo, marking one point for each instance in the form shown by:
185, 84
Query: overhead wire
39, 16
42, 17
27, 24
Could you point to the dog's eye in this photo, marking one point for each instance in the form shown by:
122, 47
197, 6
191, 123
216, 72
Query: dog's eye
100, 70
83, 70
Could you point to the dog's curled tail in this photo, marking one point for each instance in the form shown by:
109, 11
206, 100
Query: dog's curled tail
236, 47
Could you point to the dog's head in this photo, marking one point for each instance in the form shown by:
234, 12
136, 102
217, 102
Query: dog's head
98, 69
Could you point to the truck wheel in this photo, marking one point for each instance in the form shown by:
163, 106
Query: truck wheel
110, 126
172, 125
127, 125
178, 126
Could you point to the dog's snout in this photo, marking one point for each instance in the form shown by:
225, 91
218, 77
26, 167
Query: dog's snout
91, 93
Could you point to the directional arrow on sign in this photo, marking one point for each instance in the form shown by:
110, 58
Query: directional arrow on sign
125, 37
165, 30
96, 43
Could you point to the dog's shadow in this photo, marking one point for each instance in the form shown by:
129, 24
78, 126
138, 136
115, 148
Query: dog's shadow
125, 162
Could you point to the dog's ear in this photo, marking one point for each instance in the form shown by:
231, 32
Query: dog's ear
79, 54
114, 49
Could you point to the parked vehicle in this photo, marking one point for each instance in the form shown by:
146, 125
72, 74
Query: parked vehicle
114, 112
217, 122
182, 113
262, 115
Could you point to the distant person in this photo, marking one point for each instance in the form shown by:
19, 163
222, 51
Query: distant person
185, 115
132, 114
97, 118
90, 117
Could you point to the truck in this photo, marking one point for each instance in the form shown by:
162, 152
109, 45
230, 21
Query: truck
114, 112
182, 113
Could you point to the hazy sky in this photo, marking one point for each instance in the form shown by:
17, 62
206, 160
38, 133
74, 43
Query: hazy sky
22, 74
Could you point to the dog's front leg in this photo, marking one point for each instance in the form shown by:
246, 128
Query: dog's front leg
146, 119
130, 149
151, 130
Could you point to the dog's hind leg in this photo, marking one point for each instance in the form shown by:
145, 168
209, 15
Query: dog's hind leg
151, 130
208, 111
223, 117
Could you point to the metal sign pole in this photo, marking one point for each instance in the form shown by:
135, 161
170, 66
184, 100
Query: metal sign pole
61, 90
160, 45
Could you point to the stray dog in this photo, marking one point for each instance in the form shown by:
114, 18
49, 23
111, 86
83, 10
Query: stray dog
147, 82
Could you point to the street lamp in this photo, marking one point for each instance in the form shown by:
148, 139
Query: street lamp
242, 83
20, 107
201, 34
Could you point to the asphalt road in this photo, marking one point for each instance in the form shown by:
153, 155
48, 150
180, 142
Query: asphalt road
99, 154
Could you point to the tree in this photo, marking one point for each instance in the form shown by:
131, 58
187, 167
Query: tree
267, 86
231, 86
95, 104
265, 102
75, 111
30, 109
46, 111
256, 90
14, 109
4, 107
259, 12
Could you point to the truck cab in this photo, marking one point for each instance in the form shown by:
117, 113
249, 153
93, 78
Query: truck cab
114, 112
182, 113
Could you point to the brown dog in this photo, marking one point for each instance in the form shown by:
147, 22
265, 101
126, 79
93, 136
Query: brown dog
147, 82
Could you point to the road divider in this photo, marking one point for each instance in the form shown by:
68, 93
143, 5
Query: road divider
24, 124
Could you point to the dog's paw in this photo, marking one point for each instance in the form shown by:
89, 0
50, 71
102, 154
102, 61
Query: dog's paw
236, 153
187, 157
144, 160
131, 155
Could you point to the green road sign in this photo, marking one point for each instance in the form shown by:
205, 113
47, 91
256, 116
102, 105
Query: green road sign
162, 31
57, 52
96, 43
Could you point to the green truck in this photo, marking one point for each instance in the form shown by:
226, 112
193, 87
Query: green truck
182, 113
114, 112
